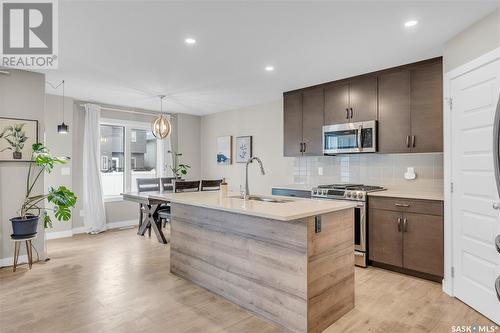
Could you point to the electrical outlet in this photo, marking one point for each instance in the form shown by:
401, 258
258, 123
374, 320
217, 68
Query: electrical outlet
65, 171
320, 171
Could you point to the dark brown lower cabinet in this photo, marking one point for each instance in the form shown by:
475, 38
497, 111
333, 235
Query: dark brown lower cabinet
385, 234
423, 243
407, 236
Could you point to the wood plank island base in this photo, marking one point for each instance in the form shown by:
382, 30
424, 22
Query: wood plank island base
298, 274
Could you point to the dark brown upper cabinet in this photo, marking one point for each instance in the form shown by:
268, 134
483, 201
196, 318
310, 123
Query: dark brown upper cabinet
292, 124
312, 121
363, 99
427, 108
410, 109
407, 101
303, 122
351, 100
337, 104
394, 112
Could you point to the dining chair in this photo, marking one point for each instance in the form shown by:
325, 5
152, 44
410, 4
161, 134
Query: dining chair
167, 184
146, 185
210, 185
186, 186
179, 186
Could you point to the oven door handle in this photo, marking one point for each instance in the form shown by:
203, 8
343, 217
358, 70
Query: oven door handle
358, 137
362, 226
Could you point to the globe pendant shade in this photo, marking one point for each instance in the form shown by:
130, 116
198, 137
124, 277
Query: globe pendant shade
161, 127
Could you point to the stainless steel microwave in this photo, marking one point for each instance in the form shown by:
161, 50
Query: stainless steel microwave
350, 138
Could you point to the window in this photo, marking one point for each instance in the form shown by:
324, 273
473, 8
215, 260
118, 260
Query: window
128, 151
112, 158
143, 155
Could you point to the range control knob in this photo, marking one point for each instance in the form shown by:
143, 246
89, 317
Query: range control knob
360, 195
348, 194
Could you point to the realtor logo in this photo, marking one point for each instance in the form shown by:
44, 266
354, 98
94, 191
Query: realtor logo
29, 34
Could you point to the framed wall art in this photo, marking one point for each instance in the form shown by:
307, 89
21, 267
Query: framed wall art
16, 138
224, 150
243, 149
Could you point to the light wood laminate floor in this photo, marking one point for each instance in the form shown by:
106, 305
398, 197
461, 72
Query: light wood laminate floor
120, 282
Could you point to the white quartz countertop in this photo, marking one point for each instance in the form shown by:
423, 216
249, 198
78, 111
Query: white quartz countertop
294, 208
409, 194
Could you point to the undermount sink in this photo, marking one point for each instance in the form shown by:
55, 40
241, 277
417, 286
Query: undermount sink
261, 198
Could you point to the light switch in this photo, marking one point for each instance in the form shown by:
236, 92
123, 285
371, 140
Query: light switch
65, 171
320, 171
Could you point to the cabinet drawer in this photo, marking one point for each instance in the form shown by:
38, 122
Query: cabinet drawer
429, 207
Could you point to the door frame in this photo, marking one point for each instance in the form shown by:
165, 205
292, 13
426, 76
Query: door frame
448, 283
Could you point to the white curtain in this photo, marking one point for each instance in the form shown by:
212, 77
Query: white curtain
95, 216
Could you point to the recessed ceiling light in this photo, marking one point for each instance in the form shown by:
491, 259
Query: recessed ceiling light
269, 68
411, 23
190, 41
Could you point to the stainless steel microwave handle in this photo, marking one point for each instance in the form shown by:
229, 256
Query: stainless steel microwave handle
358, 138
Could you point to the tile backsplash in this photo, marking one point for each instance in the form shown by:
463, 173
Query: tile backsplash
372, 169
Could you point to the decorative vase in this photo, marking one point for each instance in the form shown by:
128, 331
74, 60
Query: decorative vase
24, 226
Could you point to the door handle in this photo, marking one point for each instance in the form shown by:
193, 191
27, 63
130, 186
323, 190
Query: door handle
413, 141
496, 146
352, 112
497, 243
496, 205
407, 141
405, 222
497, 287
347, 113
399, 224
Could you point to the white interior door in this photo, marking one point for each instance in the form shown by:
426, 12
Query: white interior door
475, 222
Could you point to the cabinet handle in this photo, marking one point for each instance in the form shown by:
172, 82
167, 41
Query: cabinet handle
347, 113
407, 141
405, 222
401, 205
352, 112
413, 141
301, 149
399, 224
305, 147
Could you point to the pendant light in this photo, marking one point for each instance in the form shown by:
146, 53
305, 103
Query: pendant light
161, 127
62, 128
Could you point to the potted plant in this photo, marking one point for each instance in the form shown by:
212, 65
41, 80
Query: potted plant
62, 198
16, 137
178, 170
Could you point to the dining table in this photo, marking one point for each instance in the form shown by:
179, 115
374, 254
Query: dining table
151, 206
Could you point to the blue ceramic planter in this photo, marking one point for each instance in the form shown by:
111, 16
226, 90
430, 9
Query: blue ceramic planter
24, 226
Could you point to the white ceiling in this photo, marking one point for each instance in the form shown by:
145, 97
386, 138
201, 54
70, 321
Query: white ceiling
127, 53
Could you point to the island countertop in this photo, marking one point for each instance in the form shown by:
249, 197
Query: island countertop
292, 209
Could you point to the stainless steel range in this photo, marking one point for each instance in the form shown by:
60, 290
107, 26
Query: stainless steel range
352, 192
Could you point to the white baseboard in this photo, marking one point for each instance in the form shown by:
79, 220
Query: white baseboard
5, 262
122, 224
59, 234
79, 230
83, 230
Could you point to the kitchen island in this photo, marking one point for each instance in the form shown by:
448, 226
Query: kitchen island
288, 261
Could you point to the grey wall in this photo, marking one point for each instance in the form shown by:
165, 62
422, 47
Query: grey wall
186, 140
480, 38
265, 123
59, 145
22, 95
